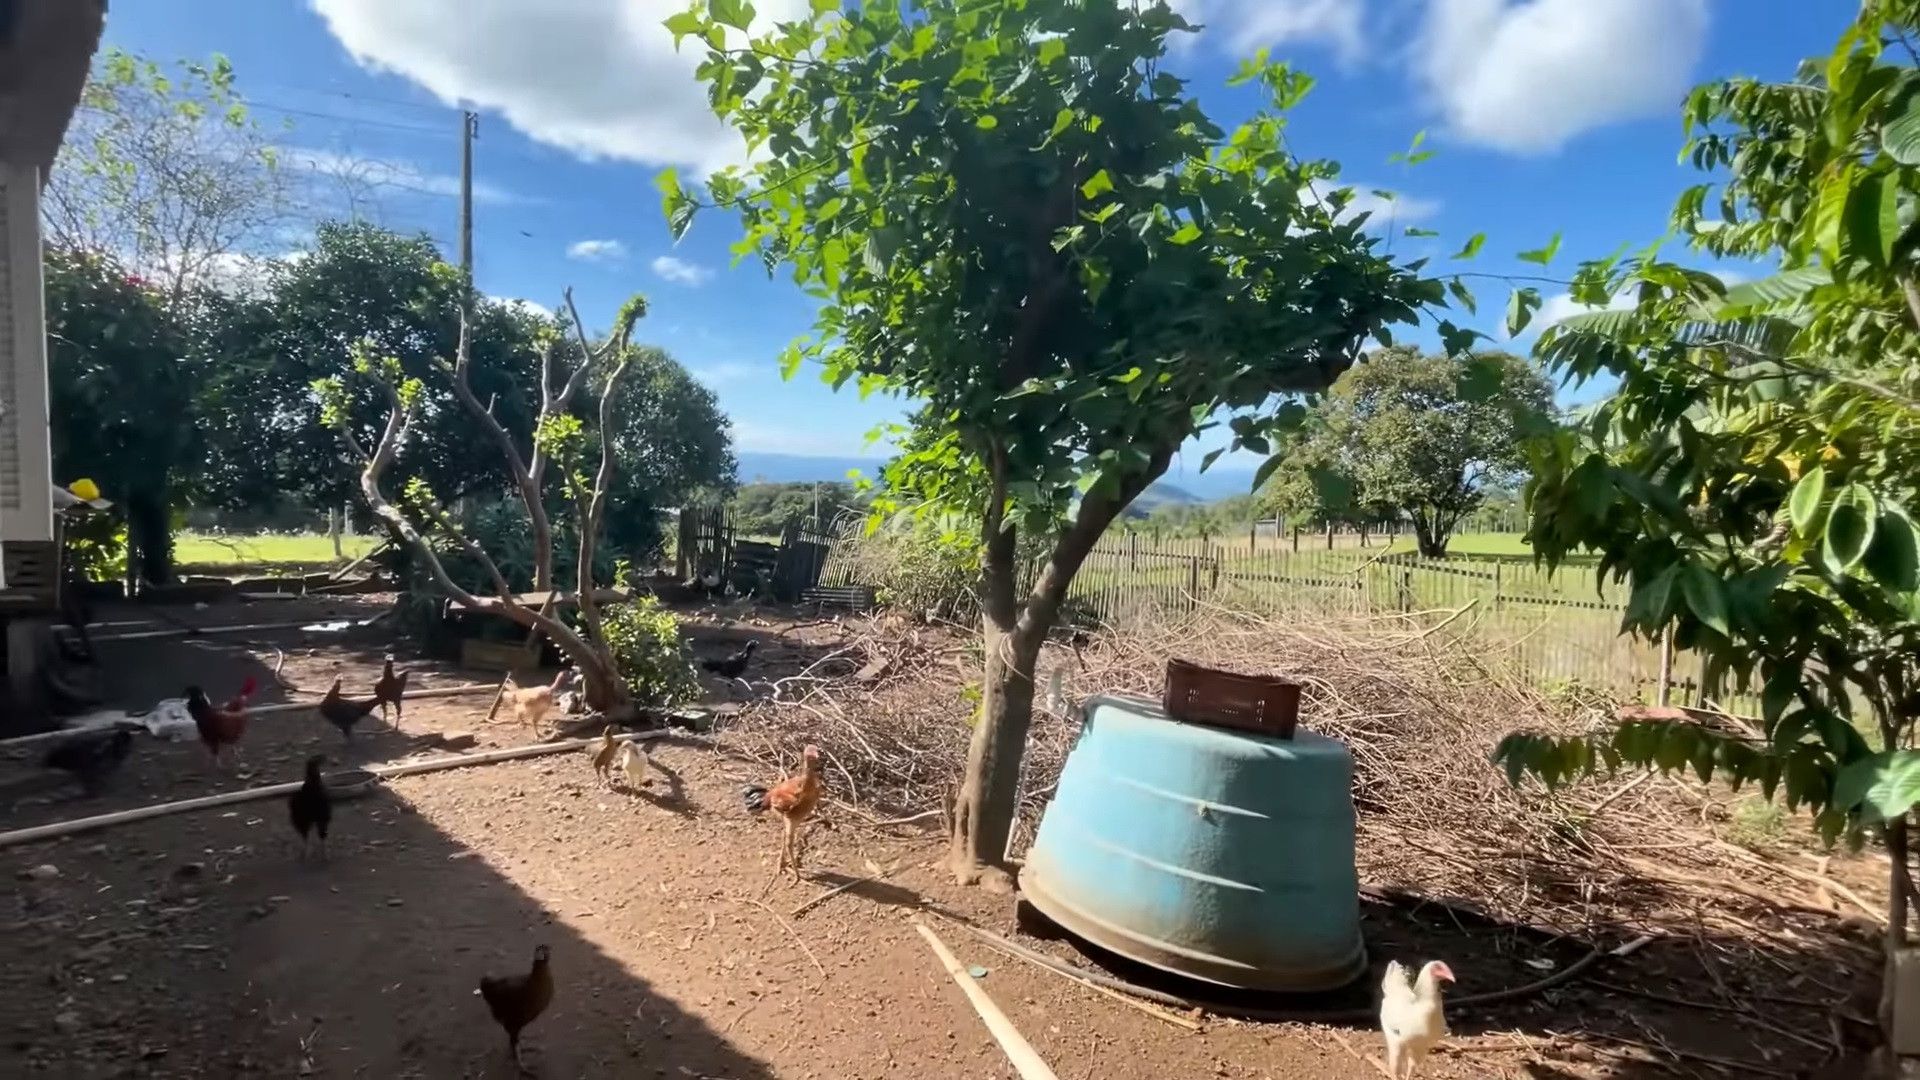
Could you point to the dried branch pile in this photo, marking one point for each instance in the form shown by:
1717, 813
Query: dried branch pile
890, 703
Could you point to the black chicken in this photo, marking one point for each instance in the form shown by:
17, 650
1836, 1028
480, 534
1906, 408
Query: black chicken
91, 758
344, 712
518, 1000
390, 690
733, 666
311, 808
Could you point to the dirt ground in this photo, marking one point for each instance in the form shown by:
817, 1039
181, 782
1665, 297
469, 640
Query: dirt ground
198, 945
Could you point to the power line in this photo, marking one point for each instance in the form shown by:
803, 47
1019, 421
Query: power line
355, 95
417, 129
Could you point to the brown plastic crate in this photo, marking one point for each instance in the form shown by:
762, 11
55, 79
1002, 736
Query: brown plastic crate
1264, 704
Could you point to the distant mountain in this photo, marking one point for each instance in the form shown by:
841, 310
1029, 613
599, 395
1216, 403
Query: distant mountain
766, 468
1191, 486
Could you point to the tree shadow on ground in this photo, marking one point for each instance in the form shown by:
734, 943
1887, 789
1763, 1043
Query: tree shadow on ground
199, 944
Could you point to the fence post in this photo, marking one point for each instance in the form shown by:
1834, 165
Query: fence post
1666, 667
1329, 536
1193, 581
1296, 538
1496, 584
1406, 590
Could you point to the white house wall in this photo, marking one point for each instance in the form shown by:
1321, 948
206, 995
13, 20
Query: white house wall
26, 510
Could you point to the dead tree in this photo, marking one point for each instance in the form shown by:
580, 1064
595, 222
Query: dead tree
557, 440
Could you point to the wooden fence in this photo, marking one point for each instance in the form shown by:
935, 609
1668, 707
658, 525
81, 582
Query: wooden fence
1557, 628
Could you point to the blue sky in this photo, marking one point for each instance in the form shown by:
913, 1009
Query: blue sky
1548, 115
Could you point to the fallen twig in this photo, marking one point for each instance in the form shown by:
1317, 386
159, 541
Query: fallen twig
1365, 1059
795, 934
1026, 1061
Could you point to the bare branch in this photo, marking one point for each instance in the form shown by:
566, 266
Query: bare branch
602, 480
527, 479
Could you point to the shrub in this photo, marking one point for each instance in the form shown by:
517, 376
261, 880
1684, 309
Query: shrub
647, 649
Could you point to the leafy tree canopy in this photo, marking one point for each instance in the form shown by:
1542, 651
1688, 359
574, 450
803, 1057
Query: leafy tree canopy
1012, 215
166, 170
1753, 475
1415, 435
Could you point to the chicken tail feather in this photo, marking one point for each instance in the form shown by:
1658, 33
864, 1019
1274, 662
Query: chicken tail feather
754, 798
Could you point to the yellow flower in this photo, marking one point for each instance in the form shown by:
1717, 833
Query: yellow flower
84, 489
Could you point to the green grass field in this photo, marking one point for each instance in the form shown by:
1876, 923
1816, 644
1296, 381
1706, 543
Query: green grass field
206, 553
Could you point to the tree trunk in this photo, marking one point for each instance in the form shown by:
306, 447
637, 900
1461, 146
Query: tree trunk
149, 537
1899, 887
984, 808
602, 687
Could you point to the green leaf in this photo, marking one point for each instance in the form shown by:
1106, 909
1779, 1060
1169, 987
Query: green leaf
735, 13
1706, 594
1900, 133
682, 24
1097, 184
1893, 558
987, 122
1520, 308
1472, 247
1063, 119
1463, 295
1186, 234
1850, 528
1803, 507
1873, 218
1785, 287
1542, 256
1049, 50
1886, 784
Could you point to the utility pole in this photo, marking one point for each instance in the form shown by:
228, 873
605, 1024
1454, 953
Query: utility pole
469, 127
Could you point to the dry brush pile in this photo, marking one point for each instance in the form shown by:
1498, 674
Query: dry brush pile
1421, 705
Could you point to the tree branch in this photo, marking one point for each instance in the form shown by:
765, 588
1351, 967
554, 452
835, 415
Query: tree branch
998, 541
1097, 511
602, 480
527, 479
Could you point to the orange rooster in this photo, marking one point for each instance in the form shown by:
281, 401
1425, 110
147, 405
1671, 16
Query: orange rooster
220, 726
794, 799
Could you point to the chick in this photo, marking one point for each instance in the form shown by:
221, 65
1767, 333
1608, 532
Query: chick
603, 755
637, 764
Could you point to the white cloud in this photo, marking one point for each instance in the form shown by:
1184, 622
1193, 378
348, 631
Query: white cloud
730, 371
524, 306
1248, 25
597, 77
355, 170
1559, 306
679, 271
1401, 211
597, 251
1525, 76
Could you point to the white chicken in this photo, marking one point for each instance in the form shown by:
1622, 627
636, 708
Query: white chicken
635, 762
1412, 1014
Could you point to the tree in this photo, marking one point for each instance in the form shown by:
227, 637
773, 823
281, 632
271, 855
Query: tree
165, 171
561, 443
1012, 216
672, 446
122, 390
1424, 436
359, 283
1752, 476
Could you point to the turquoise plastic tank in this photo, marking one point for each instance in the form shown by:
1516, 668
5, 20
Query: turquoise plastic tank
1218, 855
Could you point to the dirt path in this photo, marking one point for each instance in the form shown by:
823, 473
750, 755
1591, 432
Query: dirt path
198, 946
